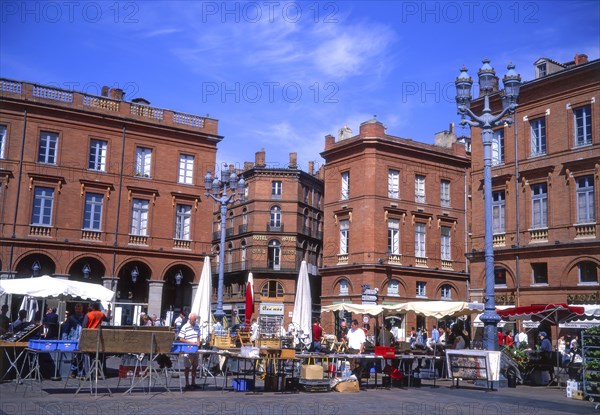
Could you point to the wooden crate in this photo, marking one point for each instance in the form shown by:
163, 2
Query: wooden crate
288, 354
269, 343
221, 342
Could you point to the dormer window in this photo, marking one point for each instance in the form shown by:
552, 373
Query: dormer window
542, 71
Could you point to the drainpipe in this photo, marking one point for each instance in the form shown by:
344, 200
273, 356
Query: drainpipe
517, 209
116, 242
14, 227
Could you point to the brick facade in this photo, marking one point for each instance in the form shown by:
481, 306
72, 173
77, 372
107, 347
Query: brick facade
541, 256
279, 225
360, 198
49, 144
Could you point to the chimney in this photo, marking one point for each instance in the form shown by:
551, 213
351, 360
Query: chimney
293, 161
579, 59
104, 91
372, 128
451, 128
248, 165
259, 158
329, 141
311, 167
116, 93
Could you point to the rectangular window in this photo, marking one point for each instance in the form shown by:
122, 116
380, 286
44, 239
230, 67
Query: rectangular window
47, 149
318, 197
43, 202
345, 185
585, 200
420, 240
143, 161
445, 193
2, 141
421, 289
186, 169
419, 188
445, 243
394, 237
276, 190
538, 137
393, 184
92, 215
583, 125
139, 217
498, 211
97, 156
183, 222
540, 273
305, 191
344, 236
539, 206
498, 147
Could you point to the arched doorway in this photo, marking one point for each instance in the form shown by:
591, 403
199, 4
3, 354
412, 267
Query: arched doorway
132, 293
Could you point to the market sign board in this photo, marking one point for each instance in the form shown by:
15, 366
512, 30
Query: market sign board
271, 309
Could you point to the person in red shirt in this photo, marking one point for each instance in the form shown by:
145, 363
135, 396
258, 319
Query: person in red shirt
317, 333
500, 339
94, 318
508, 339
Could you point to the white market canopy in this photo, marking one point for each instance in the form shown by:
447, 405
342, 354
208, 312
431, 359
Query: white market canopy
47, 286
436, 309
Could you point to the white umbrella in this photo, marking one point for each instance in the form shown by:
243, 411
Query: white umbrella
303, 304
47, 286
201, 303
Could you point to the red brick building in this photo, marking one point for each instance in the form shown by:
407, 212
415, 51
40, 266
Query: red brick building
545, 178
395, 219
279, 225
100, 189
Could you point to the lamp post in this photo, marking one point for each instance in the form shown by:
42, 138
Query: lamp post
487, 121
218, 191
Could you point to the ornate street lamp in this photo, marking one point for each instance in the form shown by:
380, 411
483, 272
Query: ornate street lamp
223, 192
86, 271
135, 273
35, 268
486, 121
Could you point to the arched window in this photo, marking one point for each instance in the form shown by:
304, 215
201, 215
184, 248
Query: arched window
393, 288
344, 287
272, 289
500, 276
446, 292
244, 216
274, 255
588, 272
229, 257
275, 217
243, 254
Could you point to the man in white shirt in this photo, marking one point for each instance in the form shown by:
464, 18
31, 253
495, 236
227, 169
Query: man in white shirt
190, 333
356, 338
522, 339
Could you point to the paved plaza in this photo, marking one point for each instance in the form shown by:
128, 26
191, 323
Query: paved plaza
443, 399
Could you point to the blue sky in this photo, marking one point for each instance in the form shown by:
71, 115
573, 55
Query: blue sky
281, 75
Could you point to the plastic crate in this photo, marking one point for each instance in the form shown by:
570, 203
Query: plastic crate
385, 351
184, 348
242, 385
67, 346
43, 345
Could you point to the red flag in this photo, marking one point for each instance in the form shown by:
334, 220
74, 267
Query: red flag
249, 298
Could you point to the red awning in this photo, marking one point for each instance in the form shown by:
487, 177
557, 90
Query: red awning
552, 313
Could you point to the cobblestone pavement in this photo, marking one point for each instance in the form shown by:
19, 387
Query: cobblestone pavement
54, 398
